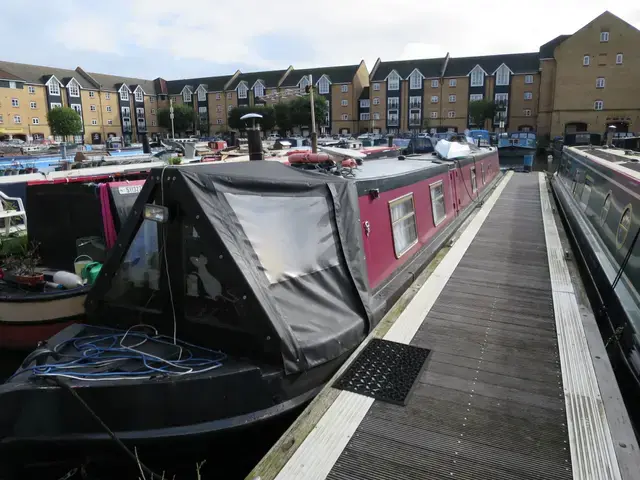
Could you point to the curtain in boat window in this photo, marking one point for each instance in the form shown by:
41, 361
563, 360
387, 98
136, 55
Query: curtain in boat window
403, 221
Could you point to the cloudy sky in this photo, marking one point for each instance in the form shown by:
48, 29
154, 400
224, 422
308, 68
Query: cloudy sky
172, 39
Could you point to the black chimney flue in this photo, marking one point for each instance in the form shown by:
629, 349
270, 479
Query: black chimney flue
253, 136
146, 148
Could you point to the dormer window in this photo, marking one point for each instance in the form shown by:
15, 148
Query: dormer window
54, 88
323, 86
304, 82
186, 96
477, 77
393, 81
502, 75
415, 80
242, 91
258, 90
604, 36
202, 95
124, 94
139, 96
74, 89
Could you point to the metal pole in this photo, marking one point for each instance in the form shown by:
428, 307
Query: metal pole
314, 138
173, 133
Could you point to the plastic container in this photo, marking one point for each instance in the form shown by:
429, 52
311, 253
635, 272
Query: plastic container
67, 279
80, 262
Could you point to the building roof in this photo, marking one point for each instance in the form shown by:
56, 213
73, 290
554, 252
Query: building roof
546, 50
270, 78
9, 76
113, 82
214, 84
517, 62
365, 93
40, 74
429, 67
340, 74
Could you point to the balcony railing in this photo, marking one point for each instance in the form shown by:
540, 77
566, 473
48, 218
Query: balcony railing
414, 120
392, 121
415, 104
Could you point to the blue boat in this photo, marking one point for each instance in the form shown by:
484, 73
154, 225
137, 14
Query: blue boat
517, 144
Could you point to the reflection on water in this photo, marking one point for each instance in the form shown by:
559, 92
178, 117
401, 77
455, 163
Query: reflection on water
539, 163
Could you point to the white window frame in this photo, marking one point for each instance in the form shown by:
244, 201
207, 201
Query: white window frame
476, 97
528, 95
54, 105
229, 96
376, 87
453, 82
1, 118
15, 103
17, 119
54, 87
94, 121
345, 117
92, 108
108, 107
586, 60
202, 95
107, 95
526, 112
242, 90
434, 199
502, 75
138, 95
92, 94
476, 77
415, 99
376, 116
393, 103
474, 180
619, 58
344, 88
600, 82
154, 123
202, 110
229, 108
364, 103
323, 85
77, 108
376, 100
344, 103
32, 90
153, 111
433, 114
365, 116
435, 83
109, 122
604, 37
415, 80
452, 99
35, 121
409, 217
393, 81
258, 90
74, 89
451, 114
528, 79
187, 96
12, 84
33, 105
218, 121
435, 98
124, 94
217, 96
598, 105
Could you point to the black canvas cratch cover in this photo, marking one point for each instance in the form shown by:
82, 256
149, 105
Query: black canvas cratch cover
260, 248
123, 196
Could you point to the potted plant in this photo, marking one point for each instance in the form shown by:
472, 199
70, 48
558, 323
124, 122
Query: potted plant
22, 267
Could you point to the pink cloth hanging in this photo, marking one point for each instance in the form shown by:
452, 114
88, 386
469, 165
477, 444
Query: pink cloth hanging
108, 224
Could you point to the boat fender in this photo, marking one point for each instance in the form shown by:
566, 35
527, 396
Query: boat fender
67, 279
310, 158
349, 163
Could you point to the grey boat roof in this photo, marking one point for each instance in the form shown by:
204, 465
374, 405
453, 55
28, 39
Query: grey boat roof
623, 161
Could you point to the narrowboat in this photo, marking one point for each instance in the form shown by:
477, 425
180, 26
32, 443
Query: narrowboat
517, 144
598, 192
67, 221
233, 294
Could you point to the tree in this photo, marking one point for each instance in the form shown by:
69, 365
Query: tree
426, 123
268, 121
283, 117
183, 118
64, 121
481, 110
300, 110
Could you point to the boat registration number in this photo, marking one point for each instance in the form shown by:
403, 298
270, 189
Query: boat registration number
129, 189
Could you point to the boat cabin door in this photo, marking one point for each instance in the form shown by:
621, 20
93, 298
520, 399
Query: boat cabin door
455, 200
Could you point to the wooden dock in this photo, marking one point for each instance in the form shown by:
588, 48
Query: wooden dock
517, 384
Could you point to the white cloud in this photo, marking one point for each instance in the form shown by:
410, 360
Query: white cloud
336, 31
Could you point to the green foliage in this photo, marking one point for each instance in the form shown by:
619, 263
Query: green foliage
283, 117
64, 121
300, 110
268, 121
481, 110
426, 123
184, 117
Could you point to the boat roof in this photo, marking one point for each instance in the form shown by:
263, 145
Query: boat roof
626, 162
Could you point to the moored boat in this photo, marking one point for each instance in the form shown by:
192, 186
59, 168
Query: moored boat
598, 191
234, 293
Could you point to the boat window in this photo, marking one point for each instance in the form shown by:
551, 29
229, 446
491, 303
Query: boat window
403, 224
605, 208
586, 192
137, 280
291, 236
474, 183
437, 202
482, 171
623, 227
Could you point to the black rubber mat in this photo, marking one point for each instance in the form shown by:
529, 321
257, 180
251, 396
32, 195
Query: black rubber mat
384, 370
